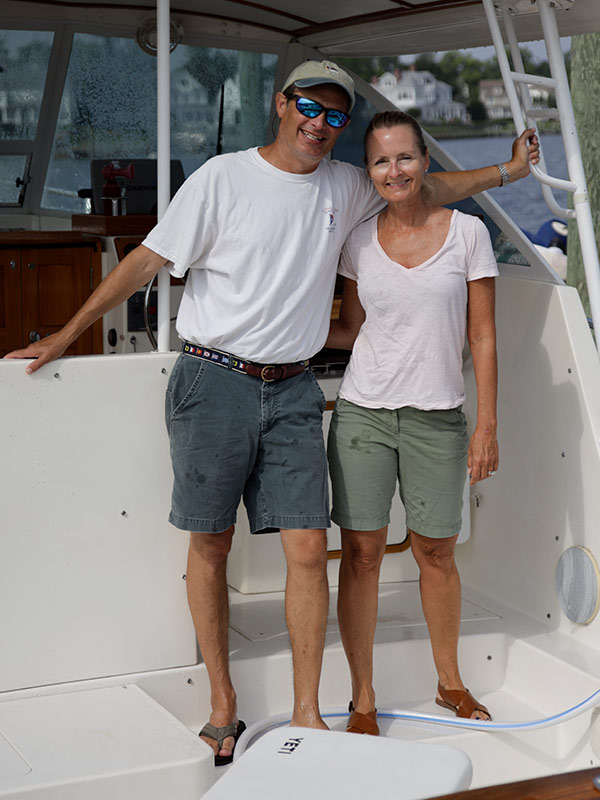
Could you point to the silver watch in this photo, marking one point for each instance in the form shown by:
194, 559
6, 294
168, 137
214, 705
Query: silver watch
503, 174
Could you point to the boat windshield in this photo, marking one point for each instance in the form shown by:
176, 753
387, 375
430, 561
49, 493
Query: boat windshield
108, 109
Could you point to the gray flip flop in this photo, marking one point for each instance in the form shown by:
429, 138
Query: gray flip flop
234, 729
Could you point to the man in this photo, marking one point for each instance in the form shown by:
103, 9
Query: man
260, 233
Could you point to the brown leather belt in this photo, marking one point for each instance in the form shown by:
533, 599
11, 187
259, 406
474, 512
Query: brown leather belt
269, 373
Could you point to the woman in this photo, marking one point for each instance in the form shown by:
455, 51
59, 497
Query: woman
416, 278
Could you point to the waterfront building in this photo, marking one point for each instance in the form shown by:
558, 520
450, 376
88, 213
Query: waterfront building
412, 89
493, 96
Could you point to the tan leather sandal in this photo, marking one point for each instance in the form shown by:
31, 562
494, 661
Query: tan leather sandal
461, 701
362, 723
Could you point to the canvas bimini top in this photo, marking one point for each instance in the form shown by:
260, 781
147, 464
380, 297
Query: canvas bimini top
377, 27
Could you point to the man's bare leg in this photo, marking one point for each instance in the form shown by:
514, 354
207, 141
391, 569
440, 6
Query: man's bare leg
306, 606
358, 594
209, 605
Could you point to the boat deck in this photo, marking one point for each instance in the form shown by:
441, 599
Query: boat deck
520, 669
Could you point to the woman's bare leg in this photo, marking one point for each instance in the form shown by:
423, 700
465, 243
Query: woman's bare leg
441, 598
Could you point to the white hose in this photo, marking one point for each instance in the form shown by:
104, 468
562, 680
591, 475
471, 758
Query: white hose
278, 720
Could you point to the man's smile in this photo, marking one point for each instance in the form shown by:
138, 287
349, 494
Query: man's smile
312, 136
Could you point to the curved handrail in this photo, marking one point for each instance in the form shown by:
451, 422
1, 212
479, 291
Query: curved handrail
549, 180
520, 106
148, 326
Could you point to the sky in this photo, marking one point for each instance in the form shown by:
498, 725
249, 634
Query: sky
538, 49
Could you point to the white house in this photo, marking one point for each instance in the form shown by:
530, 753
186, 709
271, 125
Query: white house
412, 89
189, 101
493, 96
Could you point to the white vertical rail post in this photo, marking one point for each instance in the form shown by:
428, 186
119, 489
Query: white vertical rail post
526, 105
509, 86
583, 212
163, 161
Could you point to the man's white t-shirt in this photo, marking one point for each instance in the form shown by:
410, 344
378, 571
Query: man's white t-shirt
262, 248
409, 349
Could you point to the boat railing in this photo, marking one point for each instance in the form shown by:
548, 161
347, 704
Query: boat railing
517, 84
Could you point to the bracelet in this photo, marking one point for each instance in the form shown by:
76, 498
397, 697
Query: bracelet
504, 176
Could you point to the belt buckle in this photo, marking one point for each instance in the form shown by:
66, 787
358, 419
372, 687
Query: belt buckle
270, 367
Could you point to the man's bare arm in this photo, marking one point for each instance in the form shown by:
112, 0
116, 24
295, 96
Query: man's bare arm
448, 187
133, 272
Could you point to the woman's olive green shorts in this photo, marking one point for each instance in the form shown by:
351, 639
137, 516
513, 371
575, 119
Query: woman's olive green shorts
370, 449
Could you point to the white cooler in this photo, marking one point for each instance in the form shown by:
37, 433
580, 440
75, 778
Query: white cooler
305, 764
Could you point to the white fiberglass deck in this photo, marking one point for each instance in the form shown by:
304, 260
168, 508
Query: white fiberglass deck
113, 743
521, 670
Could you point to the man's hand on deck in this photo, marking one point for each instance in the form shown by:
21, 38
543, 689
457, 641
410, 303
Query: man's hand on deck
525, 151
45, 350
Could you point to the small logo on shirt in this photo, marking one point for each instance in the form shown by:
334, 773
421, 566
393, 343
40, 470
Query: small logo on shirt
330, 219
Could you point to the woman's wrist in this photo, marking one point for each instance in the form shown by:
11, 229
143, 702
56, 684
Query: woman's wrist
504, 173
515, 169
486, 426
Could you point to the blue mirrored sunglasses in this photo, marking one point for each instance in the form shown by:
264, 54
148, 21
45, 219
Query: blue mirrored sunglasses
312, 109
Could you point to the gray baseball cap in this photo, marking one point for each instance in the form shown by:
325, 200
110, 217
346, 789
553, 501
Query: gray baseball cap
313, 73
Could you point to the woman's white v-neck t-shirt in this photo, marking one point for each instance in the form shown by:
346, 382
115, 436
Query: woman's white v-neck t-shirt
409, 349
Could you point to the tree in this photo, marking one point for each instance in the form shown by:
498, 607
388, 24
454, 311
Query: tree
212, 68
585, 89
477, 111
252, 111
366, 68
460, 70
426, 62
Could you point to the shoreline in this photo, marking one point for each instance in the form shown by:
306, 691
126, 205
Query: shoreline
451, 131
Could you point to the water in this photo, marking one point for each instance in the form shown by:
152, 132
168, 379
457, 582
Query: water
522, 200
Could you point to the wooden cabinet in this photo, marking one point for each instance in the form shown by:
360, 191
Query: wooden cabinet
44, 279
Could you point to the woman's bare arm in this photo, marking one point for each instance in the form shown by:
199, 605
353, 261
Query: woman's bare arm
481, 333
